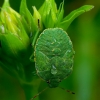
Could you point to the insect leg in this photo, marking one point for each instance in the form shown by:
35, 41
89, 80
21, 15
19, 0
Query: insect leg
35, 38
38, 93
33, 45
32, 57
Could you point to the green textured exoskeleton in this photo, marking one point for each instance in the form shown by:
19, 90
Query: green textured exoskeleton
54, 56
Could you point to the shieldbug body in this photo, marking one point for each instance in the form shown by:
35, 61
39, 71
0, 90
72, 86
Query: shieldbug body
53, 56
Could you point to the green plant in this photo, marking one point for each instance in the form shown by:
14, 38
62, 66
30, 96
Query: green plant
18, 35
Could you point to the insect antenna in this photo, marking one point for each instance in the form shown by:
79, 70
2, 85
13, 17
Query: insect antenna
38, 93
67, 90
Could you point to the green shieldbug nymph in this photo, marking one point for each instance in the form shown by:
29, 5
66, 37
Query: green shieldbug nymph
53, 56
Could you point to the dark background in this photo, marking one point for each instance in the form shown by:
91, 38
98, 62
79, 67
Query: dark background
85, 35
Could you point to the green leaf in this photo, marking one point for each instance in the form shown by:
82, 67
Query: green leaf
37, 18
48, 13
49, 23
68, 19
27, 18
47, 5
60, 13
5, 4
44, 10
4, 8
14, 46
54, 6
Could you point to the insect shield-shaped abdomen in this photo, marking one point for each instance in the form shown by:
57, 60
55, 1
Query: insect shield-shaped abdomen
54, 56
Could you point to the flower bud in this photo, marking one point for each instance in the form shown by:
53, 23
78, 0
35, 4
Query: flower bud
13, 37
60, 13
37, 18
48, 12
27, 19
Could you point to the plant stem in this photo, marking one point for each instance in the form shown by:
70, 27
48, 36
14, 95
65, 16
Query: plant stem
31, 89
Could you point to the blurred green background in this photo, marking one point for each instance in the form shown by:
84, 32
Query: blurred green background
85, 79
